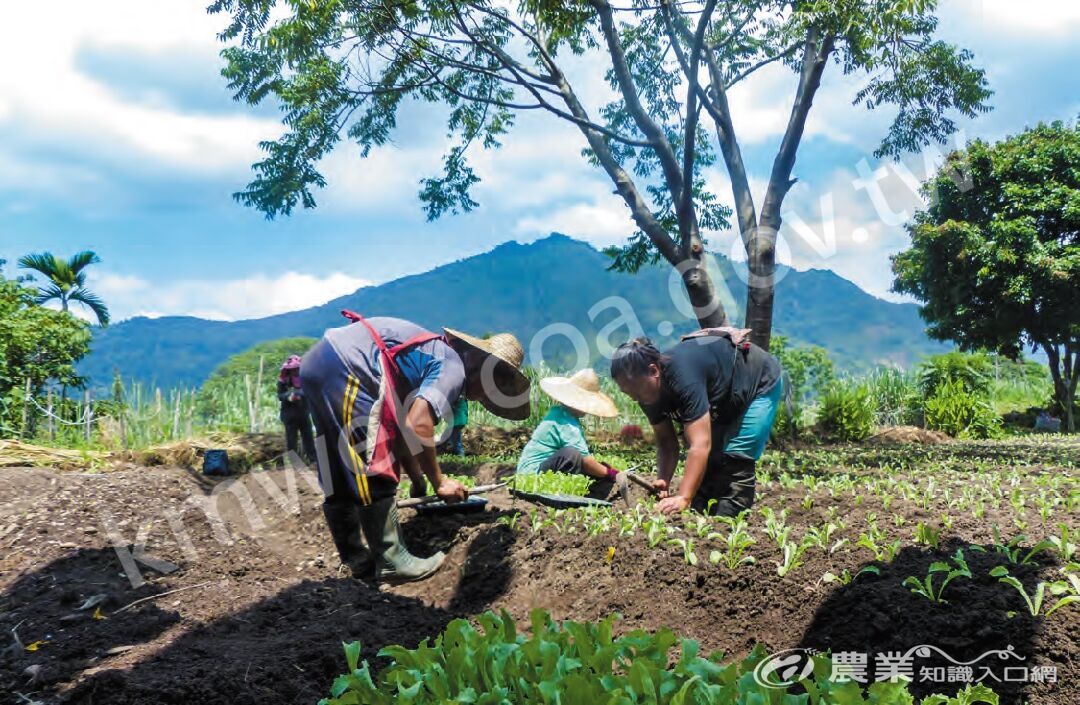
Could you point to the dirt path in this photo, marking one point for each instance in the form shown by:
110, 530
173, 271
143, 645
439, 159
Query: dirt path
261, 609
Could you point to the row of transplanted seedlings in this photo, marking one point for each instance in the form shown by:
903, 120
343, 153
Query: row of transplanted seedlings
728, 542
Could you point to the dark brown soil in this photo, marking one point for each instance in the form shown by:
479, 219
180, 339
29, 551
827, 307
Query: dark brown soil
264, 614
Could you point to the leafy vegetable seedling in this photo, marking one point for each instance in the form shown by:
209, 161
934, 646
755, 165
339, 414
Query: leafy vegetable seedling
925, 587
1070, 588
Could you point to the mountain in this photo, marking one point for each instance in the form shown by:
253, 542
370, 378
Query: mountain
524, 289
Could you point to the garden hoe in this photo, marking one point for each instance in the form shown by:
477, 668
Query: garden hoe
420, 501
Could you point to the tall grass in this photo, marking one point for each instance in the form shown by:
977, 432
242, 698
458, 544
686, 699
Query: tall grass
139, 416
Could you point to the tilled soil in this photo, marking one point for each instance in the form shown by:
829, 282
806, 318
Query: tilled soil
261, 607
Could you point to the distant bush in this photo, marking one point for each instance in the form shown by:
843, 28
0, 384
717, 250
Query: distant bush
223, 399
847, 411
1017, 385
955, 410
972, 371
808, 373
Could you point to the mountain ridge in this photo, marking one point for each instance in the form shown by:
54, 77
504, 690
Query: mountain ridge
490, 292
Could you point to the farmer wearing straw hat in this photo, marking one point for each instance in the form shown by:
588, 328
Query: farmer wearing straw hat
294, 413
558, 443
377, 388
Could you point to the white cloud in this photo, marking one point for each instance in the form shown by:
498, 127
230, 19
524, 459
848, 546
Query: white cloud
252, 297
1038, 17
47, 98
602, 220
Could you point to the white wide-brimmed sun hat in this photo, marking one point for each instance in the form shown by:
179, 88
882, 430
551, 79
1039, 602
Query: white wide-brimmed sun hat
581, 392
512, 399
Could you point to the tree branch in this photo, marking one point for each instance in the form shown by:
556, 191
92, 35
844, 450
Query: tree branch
718, 108
659, 143
815, 57
764, 62
692, 240
624, 183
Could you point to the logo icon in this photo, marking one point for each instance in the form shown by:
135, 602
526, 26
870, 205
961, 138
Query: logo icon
785, 668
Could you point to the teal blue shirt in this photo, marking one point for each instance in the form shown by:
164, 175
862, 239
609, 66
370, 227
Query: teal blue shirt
558, 430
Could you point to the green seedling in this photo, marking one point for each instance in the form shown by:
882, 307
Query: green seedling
776, 525
823, 537
736, 544
1069, 589
1063, 545
792, 557
1014, 552
656, 531
846, 578
927, 535
687, 547
925, 587
510, 520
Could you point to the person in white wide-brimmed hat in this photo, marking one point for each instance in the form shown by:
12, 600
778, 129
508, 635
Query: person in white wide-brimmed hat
558, 443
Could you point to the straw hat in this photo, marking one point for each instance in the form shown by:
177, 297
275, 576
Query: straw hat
512, 400
581, 392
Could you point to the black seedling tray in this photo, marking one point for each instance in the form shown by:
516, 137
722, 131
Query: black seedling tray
472, 504
559, 501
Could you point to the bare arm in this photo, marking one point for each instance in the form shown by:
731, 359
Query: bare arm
699, 437
667, 453
420, 423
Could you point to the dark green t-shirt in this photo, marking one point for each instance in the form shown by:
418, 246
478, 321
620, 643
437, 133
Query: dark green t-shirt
710, 375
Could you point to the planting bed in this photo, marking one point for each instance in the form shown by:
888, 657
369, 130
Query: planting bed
263, 608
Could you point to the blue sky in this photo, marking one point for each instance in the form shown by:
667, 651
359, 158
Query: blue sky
118, 135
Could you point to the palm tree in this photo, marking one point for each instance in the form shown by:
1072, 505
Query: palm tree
66, 281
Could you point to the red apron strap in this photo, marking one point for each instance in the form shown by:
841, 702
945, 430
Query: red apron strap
412, 342
382, 462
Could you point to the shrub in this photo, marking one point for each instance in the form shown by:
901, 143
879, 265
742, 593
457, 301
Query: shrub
808, 373
973, 371
847, 411
960, 413
577, 662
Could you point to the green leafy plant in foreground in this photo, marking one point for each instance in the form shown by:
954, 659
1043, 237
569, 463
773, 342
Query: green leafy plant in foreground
1014, 552
576, 663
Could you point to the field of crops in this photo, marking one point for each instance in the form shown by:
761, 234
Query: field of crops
943, 553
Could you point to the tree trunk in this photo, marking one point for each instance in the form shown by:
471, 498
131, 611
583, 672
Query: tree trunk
708, 308
1065, 377
1070, 396
760, 285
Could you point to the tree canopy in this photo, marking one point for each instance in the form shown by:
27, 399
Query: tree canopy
38, 345
343, 69
65, 281
995, 257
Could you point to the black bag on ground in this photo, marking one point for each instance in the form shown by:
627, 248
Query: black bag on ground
216, 462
